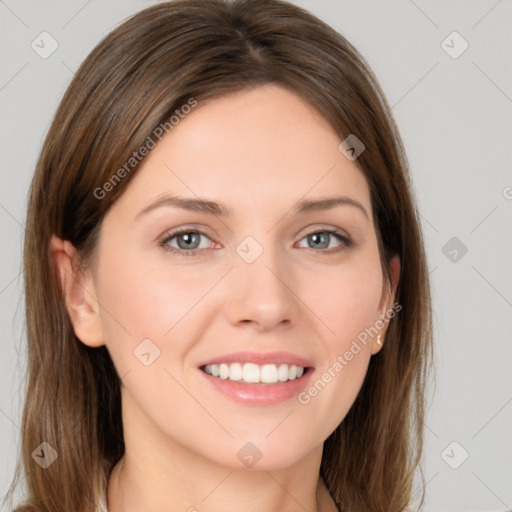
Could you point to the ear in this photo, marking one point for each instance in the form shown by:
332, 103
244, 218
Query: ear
386, 303
78, 292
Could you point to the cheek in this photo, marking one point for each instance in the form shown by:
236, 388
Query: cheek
349, 306
140, 301
347, 298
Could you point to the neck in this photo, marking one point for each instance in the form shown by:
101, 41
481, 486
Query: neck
134, 486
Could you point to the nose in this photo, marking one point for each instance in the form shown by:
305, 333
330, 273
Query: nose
261, 293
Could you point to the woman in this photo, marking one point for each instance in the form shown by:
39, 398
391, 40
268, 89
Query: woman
227, 293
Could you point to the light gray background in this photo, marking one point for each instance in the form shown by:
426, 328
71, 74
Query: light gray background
455, 119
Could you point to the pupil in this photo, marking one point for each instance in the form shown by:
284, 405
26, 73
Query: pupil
188, 239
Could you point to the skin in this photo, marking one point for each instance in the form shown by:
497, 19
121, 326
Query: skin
259, 152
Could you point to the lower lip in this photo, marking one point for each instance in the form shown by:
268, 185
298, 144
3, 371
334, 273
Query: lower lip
259, 394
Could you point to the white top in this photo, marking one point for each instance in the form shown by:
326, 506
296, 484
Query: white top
102, 504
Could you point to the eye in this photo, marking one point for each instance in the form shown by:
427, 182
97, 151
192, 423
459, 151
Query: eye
188, 241
322, 240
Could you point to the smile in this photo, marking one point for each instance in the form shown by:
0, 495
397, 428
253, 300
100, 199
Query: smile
252, 373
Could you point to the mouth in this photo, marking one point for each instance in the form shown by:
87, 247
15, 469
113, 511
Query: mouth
257, 379
251, 373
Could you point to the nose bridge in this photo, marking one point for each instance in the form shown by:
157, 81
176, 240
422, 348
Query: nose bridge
261, 281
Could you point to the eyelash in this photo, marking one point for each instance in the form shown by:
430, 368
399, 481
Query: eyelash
182, 253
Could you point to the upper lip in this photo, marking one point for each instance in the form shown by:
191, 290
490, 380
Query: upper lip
260, 358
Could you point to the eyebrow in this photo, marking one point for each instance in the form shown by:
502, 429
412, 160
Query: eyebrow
222, 210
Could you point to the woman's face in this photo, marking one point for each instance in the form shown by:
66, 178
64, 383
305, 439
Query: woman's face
245, 293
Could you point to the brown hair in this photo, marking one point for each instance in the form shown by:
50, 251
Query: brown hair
131, 82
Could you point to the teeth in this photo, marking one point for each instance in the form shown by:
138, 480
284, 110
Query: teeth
223, 371
253, 373
268, 373
282, 372
235, 371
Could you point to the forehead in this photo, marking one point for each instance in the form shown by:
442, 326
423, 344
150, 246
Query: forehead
260, 149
